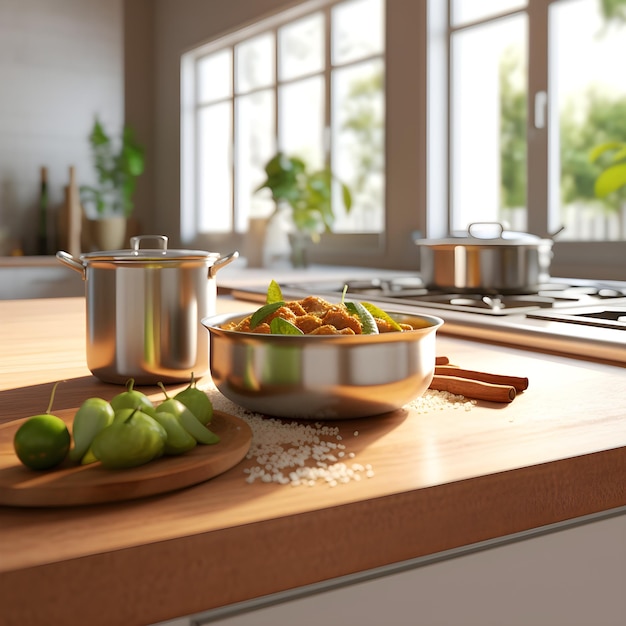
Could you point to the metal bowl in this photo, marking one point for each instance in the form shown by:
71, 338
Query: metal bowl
323, 377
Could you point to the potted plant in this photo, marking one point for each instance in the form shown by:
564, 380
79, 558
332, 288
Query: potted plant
307, 196
109, 203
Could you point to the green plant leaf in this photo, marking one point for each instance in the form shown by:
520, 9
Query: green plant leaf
320, 182
279, 326
260, 314
599, 150
347, 197
274, 294
98, 137
309, 195
128, 188
620, 155
116, 169
308, 221
282, 164
133, 161
612, 179
368, 322
380, 314
282, 177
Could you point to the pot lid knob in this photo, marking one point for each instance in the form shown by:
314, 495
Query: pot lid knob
135, 242
494, 230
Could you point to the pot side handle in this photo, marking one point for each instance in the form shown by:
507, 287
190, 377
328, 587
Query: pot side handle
67, 259
222, 262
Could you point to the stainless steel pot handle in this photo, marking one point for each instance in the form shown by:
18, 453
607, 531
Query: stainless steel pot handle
135, 242
67, 259
221, 262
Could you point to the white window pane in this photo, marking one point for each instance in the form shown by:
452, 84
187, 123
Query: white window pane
214, 169
269, 91
464, 11
214, 77
301, 131
255, 63
301, 47
358, 145
357, 30
488, 84
255, 146
589, 86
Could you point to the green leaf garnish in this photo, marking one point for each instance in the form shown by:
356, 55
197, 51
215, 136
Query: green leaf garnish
380, 314
274, 294
368, 323
279, 326
260, 314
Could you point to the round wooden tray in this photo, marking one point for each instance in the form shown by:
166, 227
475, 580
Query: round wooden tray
70, 485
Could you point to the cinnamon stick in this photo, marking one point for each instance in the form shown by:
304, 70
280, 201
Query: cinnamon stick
520, 383
471, 388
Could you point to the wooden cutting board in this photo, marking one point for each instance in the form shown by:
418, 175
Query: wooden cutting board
70, 485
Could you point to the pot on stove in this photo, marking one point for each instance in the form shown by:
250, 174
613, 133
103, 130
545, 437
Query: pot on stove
486, 259
144, 310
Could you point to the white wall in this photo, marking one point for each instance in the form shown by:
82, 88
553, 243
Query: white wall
61, 62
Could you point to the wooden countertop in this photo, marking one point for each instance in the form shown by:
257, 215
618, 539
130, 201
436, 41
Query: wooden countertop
442, 479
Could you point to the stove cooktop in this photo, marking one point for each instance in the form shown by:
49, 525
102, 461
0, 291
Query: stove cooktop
552, 295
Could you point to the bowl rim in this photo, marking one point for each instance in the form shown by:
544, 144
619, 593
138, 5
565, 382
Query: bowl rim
213, 324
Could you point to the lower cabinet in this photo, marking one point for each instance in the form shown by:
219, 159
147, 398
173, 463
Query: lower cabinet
569, 575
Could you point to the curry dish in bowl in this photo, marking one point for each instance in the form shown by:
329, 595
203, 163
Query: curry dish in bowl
315, 359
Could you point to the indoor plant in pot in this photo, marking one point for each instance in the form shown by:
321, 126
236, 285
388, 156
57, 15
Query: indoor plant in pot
109, 203
305, 198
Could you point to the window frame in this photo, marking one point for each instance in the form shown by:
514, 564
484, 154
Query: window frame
376, 250
417, 148
572, 258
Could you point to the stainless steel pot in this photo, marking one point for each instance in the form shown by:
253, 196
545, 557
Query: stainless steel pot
501, 262
323, 376
144, 310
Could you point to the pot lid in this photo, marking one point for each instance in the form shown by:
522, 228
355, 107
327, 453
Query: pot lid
158, 254
487, 233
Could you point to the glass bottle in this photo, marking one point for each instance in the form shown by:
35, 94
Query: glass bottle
42, 233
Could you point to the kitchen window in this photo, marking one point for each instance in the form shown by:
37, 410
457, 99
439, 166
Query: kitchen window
308, 82
534, 87
490, 109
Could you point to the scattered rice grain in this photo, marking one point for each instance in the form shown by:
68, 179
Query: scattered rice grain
303, 454
438, 400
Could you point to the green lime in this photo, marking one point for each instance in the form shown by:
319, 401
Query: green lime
42, 441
